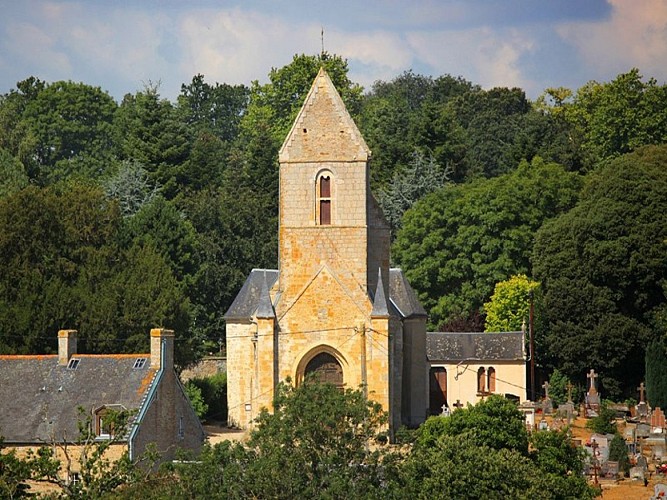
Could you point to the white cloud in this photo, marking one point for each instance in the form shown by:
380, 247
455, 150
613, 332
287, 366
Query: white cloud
635, 35
482, 55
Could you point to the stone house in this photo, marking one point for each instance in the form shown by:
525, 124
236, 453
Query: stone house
40, 397
466, 367
333, 308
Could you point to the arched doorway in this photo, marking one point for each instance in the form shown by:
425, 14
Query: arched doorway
326, 369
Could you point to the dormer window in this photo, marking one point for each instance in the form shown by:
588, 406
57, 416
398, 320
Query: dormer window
324, 211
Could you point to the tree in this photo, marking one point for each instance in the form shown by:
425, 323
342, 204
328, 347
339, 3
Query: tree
618, 117
151, 133
69, 132
558, 388
131, 187
13, 176
457, 243
656, 378
508, 309
422, 176
618, 452
494, 422
601, 266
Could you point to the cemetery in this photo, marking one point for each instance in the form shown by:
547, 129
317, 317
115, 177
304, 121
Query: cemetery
640, 428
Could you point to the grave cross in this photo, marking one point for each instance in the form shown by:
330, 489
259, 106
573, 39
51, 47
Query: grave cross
592, 375
545, 386
569, 392
641, 390
458, 404
596, 464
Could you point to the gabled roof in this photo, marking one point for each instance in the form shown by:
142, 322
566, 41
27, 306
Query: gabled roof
474, 346
248, 299
39, 399
323, 129
403, 296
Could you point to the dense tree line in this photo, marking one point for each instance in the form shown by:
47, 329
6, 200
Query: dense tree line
119, 216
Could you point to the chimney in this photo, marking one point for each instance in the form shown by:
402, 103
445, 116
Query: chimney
160, 336
66, 346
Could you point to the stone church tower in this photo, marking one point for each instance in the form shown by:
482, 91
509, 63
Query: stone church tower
334, 308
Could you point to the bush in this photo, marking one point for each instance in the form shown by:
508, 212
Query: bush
214, 393
605, 422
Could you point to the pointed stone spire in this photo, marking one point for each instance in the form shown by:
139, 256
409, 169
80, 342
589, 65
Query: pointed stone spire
323, 129
380, 306
264, 307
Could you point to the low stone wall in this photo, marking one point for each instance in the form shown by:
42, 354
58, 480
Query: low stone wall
207, 367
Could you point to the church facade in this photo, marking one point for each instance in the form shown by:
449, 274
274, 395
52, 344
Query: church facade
334, 308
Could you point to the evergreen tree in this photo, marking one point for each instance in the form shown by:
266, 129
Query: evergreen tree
656, 374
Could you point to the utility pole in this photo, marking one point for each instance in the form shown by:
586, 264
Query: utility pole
531, 330
364, 374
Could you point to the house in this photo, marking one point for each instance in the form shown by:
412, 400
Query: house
466, 367
40, 397
333, 309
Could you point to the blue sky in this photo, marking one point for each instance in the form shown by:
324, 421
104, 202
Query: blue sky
120, 45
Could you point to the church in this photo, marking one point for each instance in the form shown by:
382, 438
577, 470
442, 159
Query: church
334, 309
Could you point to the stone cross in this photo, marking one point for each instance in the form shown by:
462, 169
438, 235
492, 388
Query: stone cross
569, 392
545, 386
641, 390
592, 375
445, 410
458, 404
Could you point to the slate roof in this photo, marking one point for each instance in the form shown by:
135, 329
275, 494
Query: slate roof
39, 398
248, 299
476, 346
403, 296
403, 299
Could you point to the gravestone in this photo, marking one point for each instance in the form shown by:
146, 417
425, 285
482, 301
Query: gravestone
642, 406
637, 473
592, 397
642, 462
445, 411
643, 430
657, 420
610, 469
547, 403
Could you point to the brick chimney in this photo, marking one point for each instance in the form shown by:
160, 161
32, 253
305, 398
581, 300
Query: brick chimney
161, 336
66, 345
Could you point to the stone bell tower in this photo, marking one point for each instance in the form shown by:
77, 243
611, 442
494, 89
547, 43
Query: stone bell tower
328, 311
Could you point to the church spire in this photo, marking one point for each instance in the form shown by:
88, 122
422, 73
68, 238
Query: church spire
380, 306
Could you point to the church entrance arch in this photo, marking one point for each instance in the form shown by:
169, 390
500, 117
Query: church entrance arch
325, 369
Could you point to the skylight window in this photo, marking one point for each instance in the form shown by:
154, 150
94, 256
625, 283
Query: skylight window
139, 363
73, 364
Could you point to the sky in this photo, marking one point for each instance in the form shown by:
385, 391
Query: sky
124, 45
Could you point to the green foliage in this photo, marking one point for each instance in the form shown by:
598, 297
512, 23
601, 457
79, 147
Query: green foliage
422, 176
618, 117
656, 376
495, 423
605, 422
14, 473
196, 398
457, 243
601, 266
508, 309
618, 452
69, 132
131, 187
558, 383
213, 392
13, 176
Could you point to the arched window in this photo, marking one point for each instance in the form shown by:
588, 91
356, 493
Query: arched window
491, 379
481, 380
324, 211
